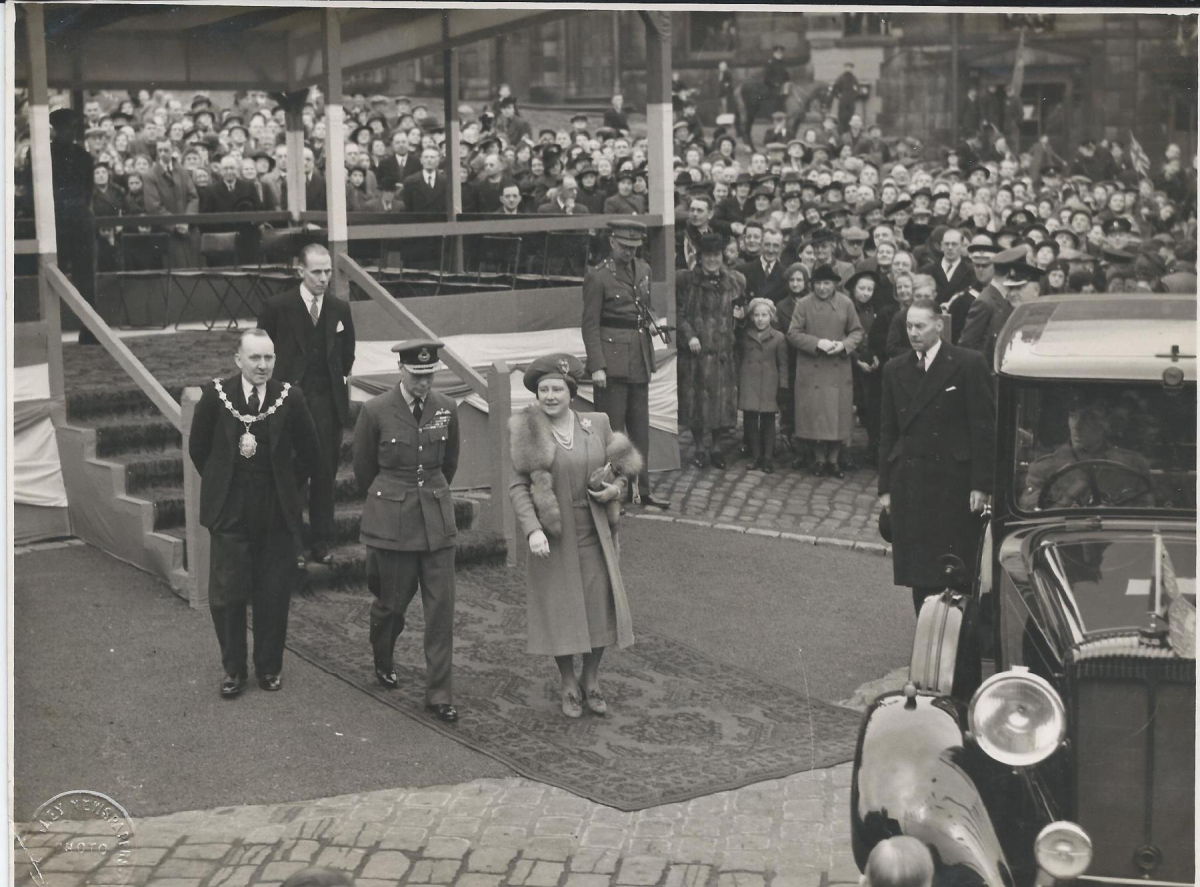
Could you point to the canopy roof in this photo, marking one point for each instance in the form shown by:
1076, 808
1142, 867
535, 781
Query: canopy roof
275, 48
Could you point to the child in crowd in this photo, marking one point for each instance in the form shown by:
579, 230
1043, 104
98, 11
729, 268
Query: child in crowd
763, 371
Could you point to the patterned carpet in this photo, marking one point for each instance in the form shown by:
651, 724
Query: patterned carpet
680, 723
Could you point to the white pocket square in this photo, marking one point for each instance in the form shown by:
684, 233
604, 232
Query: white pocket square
951, 388
341, 326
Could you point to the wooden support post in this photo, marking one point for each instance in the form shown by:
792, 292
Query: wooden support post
294, 174
43, 204
499, 410
197, 536
454, 173
659, 156
335, 141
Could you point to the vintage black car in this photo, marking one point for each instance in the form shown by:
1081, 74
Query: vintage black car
1047, 730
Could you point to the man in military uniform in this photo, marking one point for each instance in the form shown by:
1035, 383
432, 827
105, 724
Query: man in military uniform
616, 334
405, 456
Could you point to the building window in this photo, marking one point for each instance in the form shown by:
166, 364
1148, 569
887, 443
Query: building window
864, 24
1034, 21
712, 31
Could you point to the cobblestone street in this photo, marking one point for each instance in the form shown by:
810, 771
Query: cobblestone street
784, 833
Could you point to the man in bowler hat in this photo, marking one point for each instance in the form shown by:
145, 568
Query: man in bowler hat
405, 456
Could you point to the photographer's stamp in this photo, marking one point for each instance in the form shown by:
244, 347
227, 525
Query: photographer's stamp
75, 833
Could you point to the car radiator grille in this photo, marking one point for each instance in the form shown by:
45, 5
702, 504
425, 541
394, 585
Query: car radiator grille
1133, 738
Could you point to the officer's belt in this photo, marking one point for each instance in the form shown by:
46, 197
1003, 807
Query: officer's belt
411, 474
620, 323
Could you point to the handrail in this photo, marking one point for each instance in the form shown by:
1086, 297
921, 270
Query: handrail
150, 386
524, 224
25, 247
411, 323
193, 218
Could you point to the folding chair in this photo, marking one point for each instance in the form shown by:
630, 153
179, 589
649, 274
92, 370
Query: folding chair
220, 274
502, 252
145, 255
568, 251
277, 249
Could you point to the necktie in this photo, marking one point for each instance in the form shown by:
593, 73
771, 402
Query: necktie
314, 310
921, 361
429, 179
417, 407
254, 403
768, 268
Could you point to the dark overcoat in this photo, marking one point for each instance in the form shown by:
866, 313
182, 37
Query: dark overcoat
937, 440
213, 446
708, 380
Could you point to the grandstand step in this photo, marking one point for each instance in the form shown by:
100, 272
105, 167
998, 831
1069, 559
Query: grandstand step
116, 435
169, 509
349, 567
145, 470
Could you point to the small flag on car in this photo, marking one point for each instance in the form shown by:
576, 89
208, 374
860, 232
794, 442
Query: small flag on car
1181, 613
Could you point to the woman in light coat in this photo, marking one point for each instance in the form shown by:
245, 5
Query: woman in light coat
575, 599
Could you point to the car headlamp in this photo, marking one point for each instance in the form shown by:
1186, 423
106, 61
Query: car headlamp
1017, 718
1063, 850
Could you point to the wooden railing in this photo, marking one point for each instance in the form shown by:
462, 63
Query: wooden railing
87, 315
410, 323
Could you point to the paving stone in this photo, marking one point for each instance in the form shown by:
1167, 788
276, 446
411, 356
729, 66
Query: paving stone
545, 874
493, 860
161, 882
603, 836
666, 811
130, 875
609, 816
641, 870
654, 828
200, 851
470, 806
427, 799
403, 837
523, 795
514, 814
370, 813
232, 876
502, 835
698, 850
789, 880
586, 880
475, 879
568, 806
386, 864
701, 826
650, 847
281, 871
594, 860
415, 816
368, 882
185, 868
688, 875
743, 861
521, 871
346, 858
441, 847
740, 879
264, 834
754, 824
550, 848
459, 826
566, 826
434, 871
159, 834
747, 842
804, 809
298, 851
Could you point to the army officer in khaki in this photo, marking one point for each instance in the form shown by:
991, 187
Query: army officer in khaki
405, 456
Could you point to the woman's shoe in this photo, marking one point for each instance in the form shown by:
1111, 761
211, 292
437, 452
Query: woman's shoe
834, 471
571, 706
700, 460
818, 469
757, 465
718, 459
594, 700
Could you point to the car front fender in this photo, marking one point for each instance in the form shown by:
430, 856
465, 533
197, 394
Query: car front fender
911, 778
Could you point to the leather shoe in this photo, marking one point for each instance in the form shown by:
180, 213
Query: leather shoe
270, 682
718, 459
387, 677
700, 460
301, 563
231, 687
594, 700
818, 469
319, 556
834, 471
443, 711
571, 706
649, 500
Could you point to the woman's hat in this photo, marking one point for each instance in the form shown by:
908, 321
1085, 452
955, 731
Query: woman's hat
852, 282
712, 243
563, 366
419, 355
826, 272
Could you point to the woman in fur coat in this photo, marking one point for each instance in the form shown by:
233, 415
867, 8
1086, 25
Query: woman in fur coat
571, 473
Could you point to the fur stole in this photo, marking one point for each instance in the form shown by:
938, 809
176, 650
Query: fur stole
533, 448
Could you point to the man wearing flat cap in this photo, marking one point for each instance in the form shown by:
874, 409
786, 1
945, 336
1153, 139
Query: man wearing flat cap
617, 337
71, 169
405, 457
988, 313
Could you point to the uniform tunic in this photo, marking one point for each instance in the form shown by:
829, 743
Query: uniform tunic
708, 380
824, 384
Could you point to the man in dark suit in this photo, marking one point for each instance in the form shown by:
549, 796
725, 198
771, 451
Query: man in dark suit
564, 202
230, 194
425, 191
314, 186
764, 275
314, 335
952, 273
937, 441
252, 439
71, 169
405, 457
398, 165
996, 303
169, 190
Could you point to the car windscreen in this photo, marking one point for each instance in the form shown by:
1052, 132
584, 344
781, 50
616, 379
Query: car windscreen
1112, 579
1094, 447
